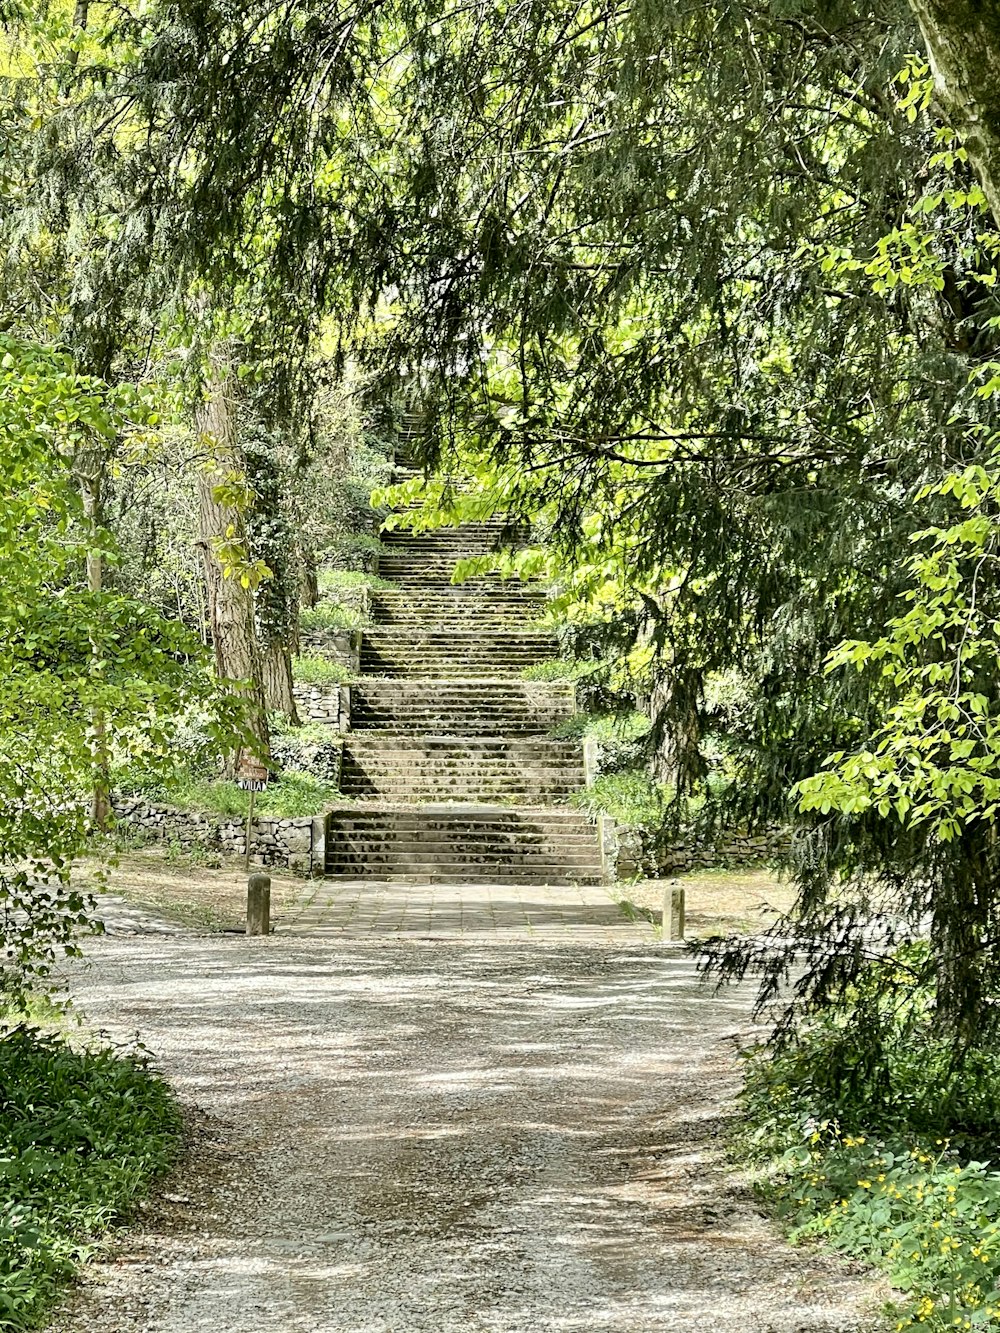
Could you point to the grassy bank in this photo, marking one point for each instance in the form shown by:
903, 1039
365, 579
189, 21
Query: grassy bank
83, 1134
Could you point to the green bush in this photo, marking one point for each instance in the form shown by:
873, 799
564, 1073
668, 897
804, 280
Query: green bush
315, 669
557, 668
335, 580
620, 737
82, 1136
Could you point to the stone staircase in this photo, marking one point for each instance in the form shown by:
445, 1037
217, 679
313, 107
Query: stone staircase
429, 627
450, 771
447, 844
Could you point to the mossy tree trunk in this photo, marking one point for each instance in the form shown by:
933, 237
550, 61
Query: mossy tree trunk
963, 43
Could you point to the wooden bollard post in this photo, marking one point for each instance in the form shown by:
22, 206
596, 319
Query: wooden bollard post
259, 905
673, 911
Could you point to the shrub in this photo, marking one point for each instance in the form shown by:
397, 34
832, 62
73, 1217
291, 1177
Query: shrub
82, 1135
557, 668
335, 580
620, 737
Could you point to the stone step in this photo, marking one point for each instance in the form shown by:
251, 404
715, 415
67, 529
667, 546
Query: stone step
427, 668
458, 875
457, 611
485, 815
576, 845
445, 707
375, 866
471, 747
411, 625
466, 534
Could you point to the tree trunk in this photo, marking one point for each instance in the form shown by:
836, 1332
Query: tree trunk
308, 577
272, 540
963, 45
230, 604
90, 470
676, 758
963, 913
278, 692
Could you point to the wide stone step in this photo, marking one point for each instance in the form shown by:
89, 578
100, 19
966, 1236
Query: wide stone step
436, 569
445, 816
415, 626
428, 668
470, 875
546, 749
577, 847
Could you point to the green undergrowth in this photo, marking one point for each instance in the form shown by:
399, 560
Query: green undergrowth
315, 669
606, 728
293, 795
630, 798
332, 615
83, 1135
558, 668
332, 581
887, 1154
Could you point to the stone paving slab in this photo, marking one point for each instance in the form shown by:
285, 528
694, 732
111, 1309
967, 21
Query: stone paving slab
556, 913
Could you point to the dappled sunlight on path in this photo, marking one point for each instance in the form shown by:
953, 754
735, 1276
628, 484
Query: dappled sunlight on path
424, 1136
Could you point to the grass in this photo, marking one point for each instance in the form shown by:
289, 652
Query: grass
331, 615
743, 901
83, 1135
336, 580
204, 890
631, 798
315, 669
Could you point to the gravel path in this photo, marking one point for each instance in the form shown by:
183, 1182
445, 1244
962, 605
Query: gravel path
395, 1136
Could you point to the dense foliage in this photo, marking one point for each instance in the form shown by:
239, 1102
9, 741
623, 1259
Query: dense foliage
82, 1135
92, 679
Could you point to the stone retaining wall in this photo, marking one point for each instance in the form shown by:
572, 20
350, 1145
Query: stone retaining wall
298, 845
630, 852
324, 703
342, 646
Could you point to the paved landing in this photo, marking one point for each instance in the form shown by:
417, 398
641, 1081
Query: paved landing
554, 913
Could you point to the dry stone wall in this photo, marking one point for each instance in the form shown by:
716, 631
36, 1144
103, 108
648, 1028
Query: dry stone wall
297, 845
324, 703
342, 646
631, 852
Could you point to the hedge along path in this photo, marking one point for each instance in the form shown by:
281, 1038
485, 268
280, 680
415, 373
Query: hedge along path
402, 1135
